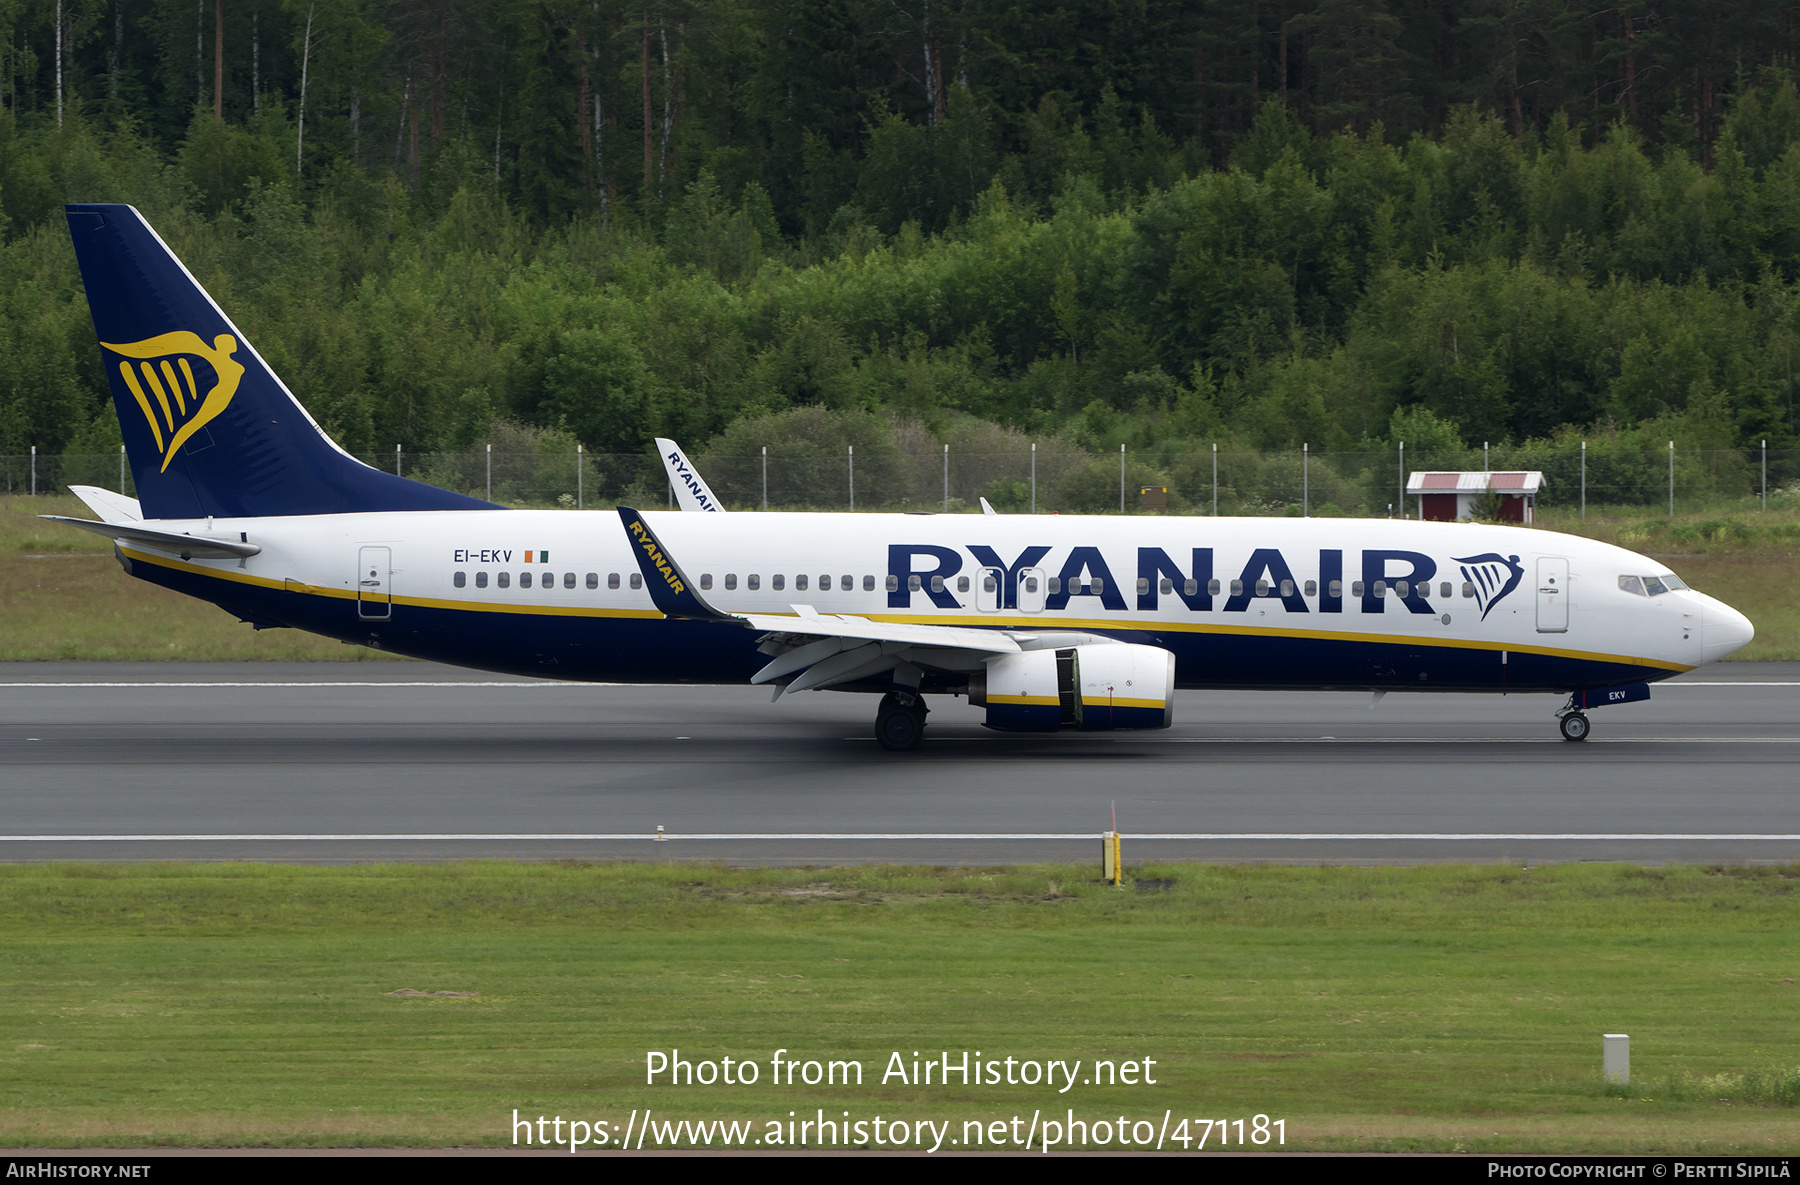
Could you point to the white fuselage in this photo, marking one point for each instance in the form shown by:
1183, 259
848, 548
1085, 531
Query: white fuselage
1242, 602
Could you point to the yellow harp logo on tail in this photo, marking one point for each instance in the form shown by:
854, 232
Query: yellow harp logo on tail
162, 381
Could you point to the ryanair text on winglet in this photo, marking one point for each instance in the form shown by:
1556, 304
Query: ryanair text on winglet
690, 479
660, 562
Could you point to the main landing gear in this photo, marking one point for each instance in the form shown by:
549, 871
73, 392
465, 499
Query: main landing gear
900, 721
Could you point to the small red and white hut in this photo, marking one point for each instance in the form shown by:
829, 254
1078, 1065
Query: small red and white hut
1448, 497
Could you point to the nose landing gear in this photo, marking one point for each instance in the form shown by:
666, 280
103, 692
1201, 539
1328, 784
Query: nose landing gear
900, 721
1574, 725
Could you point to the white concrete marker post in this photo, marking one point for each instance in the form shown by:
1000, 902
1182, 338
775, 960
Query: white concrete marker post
1615, 1057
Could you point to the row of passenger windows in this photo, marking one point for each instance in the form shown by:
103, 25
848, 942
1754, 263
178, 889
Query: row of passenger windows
1335, 588
542, 579
1642, 586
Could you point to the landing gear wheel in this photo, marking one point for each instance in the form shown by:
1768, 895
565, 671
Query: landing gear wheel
1574, 727
900, 722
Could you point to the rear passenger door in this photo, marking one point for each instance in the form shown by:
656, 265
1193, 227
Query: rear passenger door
374, 578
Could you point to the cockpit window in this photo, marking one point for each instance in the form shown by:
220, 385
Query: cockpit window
1651, 586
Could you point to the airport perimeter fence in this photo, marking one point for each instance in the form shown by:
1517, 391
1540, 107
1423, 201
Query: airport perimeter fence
1052, 478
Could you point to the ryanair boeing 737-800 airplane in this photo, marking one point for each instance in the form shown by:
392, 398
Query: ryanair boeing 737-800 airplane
1045, 622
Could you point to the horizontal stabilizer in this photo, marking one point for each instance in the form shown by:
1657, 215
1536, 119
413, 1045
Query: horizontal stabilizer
111, 507
186, 546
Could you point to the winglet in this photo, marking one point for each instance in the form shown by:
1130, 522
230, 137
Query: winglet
691, 490
673, 593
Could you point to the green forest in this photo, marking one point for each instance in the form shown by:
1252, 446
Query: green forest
1168, 226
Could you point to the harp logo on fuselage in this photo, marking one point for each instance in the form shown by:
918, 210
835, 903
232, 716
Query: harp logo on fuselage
1493, 576
162, 376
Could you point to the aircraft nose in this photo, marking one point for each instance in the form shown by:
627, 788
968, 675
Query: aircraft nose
1725, 630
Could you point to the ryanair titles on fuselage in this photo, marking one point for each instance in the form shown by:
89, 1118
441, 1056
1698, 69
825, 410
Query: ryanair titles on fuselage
927, 569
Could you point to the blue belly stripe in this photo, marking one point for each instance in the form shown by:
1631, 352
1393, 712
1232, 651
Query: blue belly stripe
647, 650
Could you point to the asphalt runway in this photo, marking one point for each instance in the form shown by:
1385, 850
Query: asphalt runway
408, 761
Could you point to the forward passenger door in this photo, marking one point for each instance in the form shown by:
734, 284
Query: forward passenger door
1552, 595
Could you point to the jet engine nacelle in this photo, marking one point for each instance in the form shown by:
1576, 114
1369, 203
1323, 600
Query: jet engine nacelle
1092, 688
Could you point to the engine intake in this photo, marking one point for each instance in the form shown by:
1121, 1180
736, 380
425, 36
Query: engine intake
1090, 688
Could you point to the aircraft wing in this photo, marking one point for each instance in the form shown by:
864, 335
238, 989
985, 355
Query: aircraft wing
833, 625
691, 490
811, 649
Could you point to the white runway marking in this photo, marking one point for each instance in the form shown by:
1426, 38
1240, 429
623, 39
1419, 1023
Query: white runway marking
309, 683
577, 683
1486, 740
639, 836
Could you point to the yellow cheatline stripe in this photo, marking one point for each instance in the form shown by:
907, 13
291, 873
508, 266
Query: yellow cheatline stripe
1036, 623
1121, 702
162, 396
1049, 701
1162, 627
130, 377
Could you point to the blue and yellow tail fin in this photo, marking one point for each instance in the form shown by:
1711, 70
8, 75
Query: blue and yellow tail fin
209, 428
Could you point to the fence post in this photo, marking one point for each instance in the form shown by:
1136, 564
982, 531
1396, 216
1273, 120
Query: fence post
1305, 480
1671, 479
490, 473
946, 479
1765, 476
1584, 481
853, 477
1402, 498
1034, 477
1121, 479
578, 490
122, 468
765, 449
1215, 479
396, 460
34, 471
1485, 467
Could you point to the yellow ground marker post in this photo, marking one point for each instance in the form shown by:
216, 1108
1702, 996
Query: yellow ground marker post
1112, 865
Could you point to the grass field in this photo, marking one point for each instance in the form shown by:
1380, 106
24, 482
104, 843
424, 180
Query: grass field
63, 597
1369, 1008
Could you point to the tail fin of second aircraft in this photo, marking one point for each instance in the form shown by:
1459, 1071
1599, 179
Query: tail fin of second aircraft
209, 428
